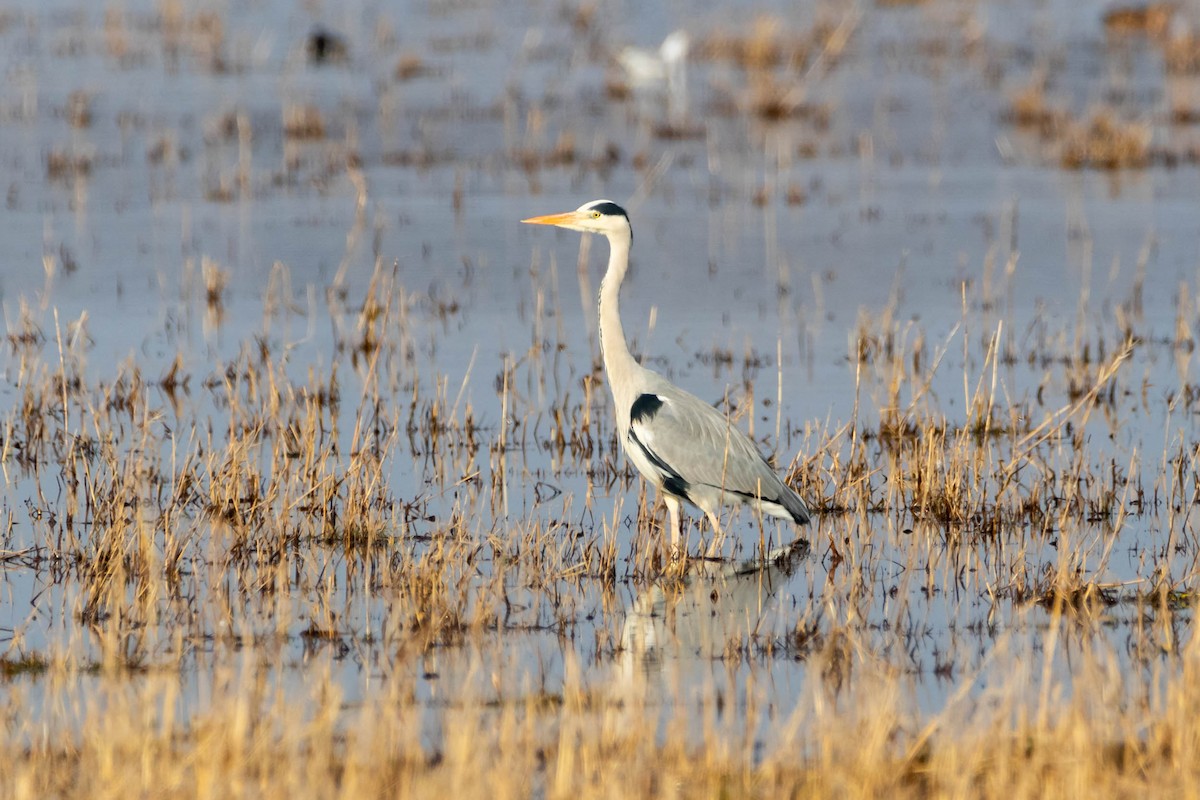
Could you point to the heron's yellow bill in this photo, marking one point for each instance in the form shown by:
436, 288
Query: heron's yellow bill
552, 219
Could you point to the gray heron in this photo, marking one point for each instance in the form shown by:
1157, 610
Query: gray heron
684, 447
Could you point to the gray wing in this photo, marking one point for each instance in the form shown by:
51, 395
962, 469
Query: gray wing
691, 442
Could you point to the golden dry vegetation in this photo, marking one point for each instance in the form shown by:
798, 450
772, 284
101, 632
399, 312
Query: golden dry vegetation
264, 567
176, 547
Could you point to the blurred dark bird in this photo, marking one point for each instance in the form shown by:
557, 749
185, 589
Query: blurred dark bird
326, 47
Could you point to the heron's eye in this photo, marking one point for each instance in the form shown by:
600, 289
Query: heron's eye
595, 215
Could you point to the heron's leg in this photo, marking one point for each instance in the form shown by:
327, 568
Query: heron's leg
714, 547
673, 510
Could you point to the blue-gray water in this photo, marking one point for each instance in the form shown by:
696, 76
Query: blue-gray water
768, 241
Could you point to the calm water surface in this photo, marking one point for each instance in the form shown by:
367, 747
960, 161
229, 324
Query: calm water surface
761, 247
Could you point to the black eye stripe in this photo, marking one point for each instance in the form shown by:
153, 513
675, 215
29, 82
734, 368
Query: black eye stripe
611, 209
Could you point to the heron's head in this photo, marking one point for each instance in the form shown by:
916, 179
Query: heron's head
599, 216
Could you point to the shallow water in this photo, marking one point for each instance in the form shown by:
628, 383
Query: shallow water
916, 194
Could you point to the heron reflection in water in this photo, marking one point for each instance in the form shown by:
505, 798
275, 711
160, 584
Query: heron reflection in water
714, 605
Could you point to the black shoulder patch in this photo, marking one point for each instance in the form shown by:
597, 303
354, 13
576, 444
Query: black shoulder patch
645, 407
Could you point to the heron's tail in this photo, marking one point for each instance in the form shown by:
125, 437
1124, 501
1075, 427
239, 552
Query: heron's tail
794, 505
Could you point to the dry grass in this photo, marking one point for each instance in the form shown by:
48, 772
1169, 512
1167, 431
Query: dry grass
586, 742
368, 573
1029, 108
780, 64
1181, 54
767, 45
855, 732
198, 557
1149, 19
409, 66
303, 121
1102, 140
1126, 130
1106, 142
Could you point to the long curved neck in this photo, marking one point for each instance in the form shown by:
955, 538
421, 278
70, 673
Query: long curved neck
618, 361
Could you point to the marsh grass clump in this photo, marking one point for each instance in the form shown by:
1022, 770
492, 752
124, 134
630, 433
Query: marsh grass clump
1030, 108
778, 67
775, 100
409, 66
26, 336
27, 664
216, 282
1101, 141
1181, 54
1011, 465
201, 36
79, 109
67, 167
1144, 19
1068, 591
1105, 142
303, 121
767, 45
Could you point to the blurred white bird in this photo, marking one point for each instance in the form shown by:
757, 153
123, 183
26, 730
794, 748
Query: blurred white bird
666, 68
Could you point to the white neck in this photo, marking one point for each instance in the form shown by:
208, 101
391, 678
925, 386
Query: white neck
619, 363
